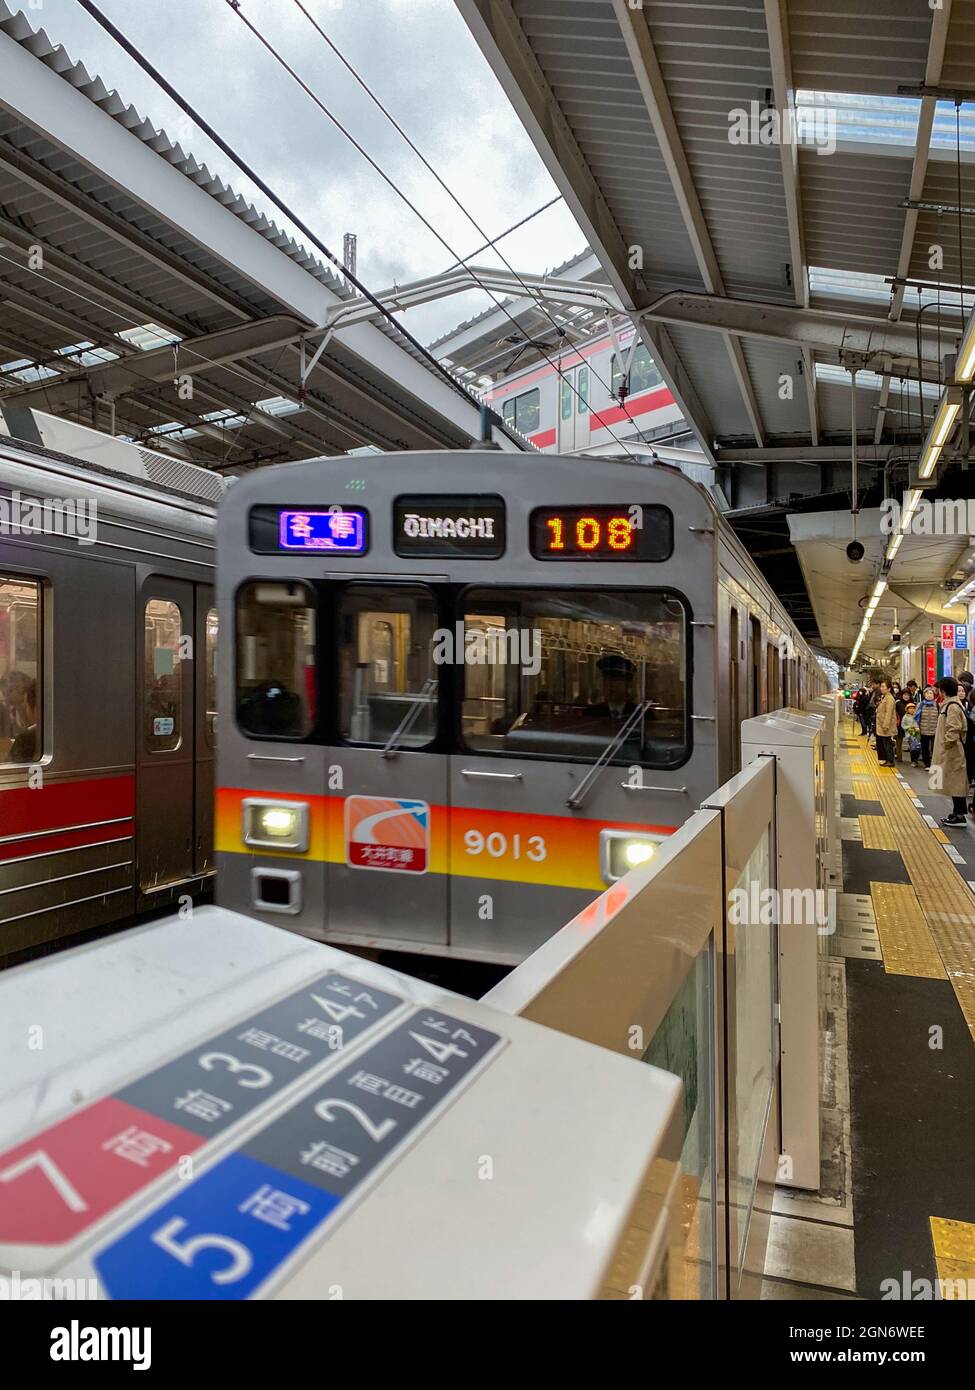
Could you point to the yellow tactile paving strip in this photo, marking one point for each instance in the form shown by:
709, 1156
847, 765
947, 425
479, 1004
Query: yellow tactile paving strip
905, 938
875, 832
946, 901
954, 1255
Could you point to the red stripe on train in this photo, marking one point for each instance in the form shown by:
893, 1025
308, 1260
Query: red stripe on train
657, 399
57, 806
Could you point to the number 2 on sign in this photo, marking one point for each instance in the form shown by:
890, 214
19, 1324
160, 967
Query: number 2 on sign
69, 1194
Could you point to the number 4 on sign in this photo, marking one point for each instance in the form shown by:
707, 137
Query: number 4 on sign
69, 1194
439, 1051
337, 1012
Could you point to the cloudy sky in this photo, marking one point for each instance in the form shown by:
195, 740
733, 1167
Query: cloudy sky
419, 59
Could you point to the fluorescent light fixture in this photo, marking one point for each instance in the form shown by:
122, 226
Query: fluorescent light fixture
941, 427
965, 361
911, 500
895, 545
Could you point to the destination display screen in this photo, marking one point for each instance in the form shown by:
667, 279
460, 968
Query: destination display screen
600, 532
459, 527
329, 530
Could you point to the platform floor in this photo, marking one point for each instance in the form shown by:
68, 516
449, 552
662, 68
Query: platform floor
897, 1205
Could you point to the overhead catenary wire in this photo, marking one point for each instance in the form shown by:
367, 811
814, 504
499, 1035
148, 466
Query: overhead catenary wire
278, 202
463, 261
234, 5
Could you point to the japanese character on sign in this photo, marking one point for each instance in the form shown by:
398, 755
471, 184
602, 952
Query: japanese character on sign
203, 1105
274, 1207
136, 1145
328, 1158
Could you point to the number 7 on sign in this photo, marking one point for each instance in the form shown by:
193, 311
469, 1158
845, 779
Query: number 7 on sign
70, 1195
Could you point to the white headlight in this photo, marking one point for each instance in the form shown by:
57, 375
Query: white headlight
623, 850
275, 824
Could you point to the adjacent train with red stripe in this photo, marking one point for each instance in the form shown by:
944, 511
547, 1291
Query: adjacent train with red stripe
108, 634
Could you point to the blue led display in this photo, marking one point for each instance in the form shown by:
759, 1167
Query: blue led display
339, 531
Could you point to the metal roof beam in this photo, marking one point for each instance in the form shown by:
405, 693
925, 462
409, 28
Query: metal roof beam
820, 330
635, 28
502, 41
38, 95
940, 19
777, 28
198, 355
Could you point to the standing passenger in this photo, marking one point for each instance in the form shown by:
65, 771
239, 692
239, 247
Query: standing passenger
949, 753
886, 726
927, 723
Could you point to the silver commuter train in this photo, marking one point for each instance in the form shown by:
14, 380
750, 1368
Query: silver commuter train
462, 695
107, 681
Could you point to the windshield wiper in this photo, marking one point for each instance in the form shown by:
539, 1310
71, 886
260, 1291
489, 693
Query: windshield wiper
422, 697
577, 797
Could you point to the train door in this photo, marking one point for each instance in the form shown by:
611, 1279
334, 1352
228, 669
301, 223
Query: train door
755, 665
574, 409
734, 688
173, 844
393, 863
205, 726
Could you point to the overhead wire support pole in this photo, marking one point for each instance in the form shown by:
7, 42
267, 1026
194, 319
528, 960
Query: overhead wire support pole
278, 202
235, 6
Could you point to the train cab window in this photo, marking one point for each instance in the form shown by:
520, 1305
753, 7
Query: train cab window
20, 671
387, 675
163, 683
523, 412
275, 659
210, 682
563, 674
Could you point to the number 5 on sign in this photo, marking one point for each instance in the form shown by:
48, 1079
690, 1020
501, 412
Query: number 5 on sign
69, 1194
240, 1261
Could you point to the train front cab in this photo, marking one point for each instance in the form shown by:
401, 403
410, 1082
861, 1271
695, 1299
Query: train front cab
377, 788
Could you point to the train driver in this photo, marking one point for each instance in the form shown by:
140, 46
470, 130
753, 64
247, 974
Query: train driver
617, 674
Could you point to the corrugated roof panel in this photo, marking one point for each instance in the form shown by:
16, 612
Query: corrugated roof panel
858, 45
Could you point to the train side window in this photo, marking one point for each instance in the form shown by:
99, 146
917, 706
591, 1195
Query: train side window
163, 685
559, 674
523, 412
565, 398
644, 373
20, 670
275, 659
210, 684
582, 400
387, 675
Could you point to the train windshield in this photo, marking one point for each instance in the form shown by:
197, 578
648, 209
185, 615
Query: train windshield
563, 673
386, 675
276, 659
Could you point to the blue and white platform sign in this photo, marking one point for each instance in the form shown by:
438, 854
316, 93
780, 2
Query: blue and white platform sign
224, 1234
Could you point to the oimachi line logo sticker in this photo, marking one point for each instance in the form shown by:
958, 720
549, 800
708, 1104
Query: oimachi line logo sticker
383, 833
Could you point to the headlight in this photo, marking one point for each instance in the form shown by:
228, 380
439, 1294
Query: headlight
622, 850
275, 824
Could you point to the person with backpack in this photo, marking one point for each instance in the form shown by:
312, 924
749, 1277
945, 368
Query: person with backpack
948, 755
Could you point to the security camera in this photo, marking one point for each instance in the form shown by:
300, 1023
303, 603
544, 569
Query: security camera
854, 552
895, 635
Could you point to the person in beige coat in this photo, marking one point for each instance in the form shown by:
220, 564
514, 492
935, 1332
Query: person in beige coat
948, 756
886, 726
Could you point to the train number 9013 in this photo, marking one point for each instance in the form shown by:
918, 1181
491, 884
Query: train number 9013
500, 846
